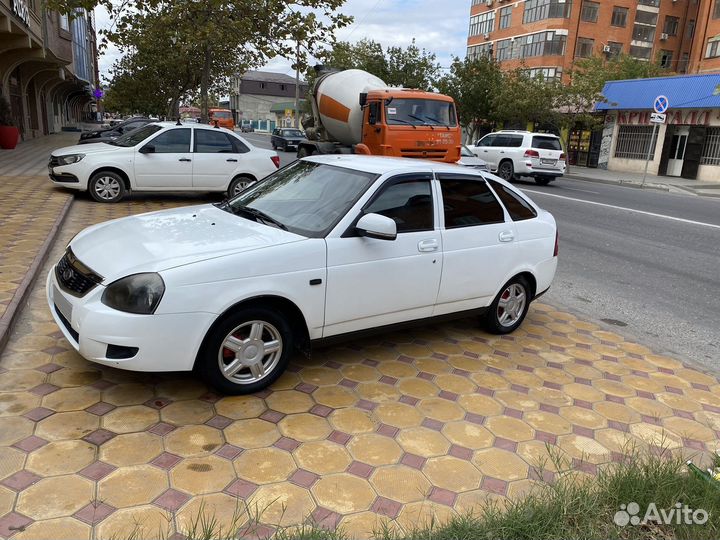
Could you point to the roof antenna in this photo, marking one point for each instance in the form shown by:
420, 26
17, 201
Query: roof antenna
179, 123
216, 125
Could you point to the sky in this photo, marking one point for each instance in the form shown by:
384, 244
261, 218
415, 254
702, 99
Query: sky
440, 26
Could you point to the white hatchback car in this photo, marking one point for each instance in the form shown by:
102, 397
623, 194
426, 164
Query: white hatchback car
522, 153
162, 156
327, 246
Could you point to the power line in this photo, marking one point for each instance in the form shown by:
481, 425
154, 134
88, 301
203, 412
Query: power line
359, 24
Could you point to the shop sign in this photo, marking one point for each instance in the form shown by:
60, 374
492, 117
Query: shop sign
20, 8
674, 117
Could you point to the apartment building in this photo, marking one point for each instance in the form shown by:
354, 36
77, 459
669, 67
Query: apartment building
547, 36
48, 66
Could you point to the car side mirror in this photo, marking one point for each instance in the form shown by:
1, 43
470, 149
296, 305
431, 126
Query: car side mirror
147, 149
377, 226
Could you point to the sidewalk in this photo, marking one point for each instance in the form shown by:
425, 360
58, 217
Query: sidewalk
665, 183
30, 158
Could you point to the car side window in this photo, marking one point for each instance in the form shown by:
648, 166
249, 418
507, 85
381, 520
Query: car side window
518, 208
515, 141
212, 142
408, 202
468, 202
486, 141
501, 140
240, 147
172, 141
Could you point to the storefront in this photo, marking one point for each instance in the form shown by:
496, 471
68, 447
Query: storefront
687, 144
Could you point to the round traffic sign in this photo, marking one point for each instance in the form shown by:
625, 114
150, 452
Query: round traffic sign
661, 104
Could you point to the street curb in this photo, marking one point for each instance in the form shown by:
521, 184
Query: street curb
14, 308
624, 184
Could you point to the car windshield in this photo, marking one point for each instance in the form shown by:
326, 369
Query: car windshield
136, 136
305, 198
292, 133
420, 112
221, 114
465, 151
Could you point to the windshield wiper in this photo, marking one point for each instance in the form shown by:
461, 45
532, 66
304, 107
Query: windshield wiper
403, 121
258, 215
418, 118
438, 121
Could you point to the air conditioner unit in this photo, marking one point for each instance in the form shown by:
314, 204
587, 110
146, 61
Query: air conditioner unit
486, 36
663, 36
488, 2
607, 49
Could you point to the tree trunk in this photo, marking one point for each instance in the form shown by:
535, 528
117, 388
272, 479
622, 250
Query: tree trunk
204, 87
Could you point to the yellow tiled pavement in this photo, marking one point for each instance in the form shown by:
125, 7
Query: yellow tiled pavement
394, 429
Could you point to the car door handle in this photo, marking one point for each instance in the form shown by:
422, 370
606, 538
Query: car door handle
502, 151
428, 245
232, 159
184, 159
506, 236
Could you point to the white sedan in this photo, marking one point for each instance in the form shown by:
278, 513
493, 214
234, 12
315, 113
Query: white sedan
327, 246
162, 156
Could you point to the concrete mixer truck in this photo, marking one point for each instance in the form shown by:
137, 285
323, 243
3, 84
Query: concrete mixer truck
354, 111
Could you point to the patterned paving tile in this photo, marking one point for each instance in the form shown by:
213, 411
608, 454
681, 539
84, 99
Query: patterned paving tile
395, 429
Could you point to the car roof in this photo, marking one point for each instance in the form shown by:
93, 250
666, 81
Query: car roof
522, 132
383, 165
193, 125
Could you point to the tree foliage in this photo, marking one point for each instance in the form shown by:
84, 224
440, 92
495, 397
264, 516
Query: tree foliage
409, 67
210, 41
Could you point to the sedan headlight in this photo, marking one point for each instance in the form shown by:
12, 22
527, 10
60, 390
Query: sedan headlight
139, 293
69, 159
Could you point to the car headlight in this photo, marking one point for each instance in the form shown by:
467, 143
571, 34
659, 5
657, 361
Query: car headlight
70, 159
139, 293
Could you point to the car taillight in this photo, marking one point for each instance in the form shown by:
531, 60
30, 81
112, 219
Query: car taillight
531, 153
276, 161
557, 244
562, 157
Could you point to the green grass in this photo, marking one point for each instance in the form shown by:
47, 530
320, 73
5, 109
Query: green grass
573, 506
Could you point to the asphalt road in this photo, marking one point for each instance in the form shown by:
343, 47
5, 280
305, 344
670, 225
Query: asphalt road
643, 261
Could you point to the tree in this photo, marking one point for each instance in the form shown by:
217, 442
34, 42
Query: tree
472, 83
526, 99
409, 67
217, 39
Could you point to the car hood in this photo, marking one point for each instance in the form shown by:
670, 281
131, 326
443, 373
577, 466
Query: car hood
92, 148
162, 240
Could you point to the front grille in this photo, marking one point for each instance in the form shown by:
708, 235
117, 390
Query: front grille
423, 153
74, 277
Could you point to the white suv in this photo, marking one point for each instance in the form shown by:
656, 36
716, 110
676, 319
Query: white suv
162, 156
510, 154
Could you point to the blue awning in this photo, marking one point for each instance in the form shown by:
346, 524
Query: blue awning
683, 92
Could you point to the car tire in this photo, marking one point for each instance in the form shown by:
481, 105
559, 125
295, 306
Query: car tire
238, 184
107, 187
509, 308
284, 147
303, 152
233, 357
542, 181
506, 171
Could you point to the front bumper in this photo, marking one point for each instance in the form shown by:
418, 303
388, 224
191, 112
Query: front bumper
167, 342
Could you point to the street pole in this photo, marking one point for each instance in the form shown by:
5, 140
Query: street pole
297, 84
650, 148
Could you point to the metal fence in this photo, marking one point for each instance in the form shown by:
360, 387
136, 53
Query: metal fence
633, 142
711, 148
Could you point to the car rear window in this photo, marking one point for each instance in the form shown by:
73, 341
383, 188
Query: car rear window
546, 143
518, 208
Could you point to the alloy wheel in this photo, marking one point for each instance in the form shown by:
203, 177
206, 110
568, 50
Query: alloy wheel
107, 188
250, 352
511, 304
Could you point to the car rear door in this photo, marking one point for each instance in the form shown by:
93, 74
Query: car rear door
549, 152
215, 159
372, 282
478, 238
169, 164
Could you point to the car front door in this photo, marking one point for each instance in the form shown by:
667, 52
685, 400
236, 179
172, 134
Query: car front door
215, 159
478, 240
165, 161
372, 282
484, 150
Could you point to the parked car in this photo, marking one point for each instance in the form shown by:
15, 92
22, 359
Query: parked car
163, 156
325, 247
113, 132
247, 127
286, 138
468, 159
522, 153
